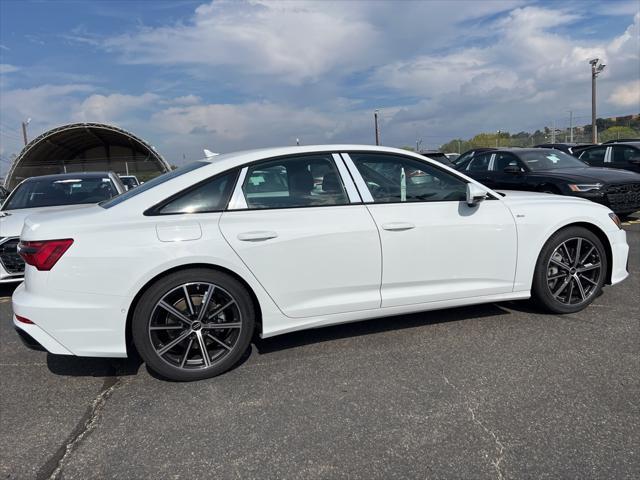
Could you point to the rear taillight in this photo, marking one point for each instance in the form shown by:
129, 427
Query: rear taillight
43, 254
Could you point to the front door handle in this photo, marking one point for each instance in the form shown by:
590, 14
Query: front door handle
398, 226
257, 236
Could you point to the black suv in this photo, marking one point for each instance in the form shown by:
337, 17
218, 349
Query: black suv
553, 171
625, 155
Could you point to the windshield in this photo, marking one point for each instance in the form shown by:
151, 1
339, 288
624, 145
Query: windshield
50, 192
165, 177
550, 160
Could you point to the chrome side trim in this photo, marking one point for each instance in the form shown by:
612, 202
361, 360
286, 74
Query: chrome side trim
357, 178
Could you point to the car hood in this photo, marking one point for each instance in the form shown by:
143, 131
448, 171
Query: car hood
517, 197
591, 174
11, 221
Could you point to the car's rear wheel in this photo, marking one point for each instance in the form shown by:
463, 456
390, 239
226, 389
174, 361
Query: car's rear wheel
193, 324
570, 271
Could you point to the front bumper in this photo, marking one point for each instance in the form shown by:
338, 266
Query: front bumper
11, 265
620, 254
623, 202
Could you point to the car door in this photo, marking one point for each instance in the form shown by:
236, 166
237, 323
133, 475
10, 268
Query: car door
435, 247
299, 225
505, 178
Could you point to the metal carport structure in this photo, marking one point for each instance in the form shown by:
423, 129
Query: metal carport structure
86, 147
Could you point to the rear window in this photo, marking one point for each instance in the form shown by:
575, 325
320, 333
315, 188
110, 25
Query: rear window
152, 183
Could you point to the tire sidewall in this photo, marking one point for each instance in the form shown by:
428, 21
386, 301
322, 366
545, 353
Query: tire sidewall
148, 301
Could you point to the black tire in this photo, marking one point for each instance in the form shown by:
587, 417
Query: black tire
148, 309
542, 293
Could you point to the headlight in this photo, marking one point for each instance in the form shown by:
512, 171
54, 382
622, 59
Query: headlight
584, 187
616, 220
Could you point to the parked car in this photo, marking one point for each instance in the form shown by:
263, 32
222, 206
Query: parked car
129, 181
438, 157
625, 155
553, 171
622, 140
47, 193
4, 193
215, 250
569, 148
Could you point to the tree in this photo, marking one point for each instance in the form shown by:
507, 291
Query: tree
616, 133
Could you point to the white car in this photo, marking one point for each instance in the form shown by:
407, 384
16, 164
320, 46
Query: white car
47, 193
185, 267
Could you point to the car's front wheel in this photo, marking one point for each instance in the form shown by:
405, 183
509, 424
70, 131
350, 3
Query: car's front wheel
193, 324
570, 271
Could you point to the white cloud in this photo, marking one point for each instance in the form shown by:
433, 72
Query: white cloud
7, 68
112, 108
627, 95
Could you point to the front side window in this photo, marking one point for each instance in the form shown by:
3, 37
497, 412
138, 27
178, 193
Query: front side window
504, 160
392, 178
479, 163
209, 196
304, 181
594, 156
549, 160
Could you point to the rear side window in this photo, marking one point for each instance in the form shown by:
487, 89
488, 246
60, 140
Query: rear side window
623, 154
304, 181
504, 160
209, 196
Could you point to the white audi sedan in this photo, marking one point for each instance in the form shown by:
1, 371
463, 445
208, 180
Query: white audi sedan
187, 266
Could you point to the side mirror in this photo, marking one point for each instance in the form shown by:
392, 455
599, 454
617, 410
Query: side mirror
475, 194
512, 169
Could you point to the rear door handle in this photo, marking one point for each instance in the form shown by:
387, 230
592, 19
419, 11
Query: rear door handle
257, 236
398, 226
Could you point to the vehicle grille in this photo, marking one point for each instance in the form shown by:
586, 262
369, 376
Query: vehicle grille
11, 261
623, 197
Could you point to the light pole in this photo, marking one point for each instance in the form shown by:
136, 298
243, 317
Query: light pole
596, 69
571, 126
24, 131
375, 123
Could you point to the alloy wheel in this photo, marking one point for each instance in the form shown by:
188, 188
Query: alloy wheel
195, 325
574, 270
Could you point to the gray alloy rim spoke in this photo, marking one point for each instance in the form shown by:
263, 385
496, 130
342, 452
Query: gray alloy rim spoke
186, 353
588, 280
221, 326
221, 309
590, 267
584, 258
577, 256
187, 299
560, 264
570, 273
167, 327
205, 302
180, 327
580, 288
173, 311
174, 342
203, 349
219, 342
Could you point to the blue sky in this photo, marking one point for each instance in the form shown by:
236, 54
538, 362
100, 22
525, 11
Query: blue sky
224, 75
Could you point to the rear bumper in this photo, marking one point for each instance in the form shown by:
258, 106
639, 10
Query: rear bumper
36, 338
73, 323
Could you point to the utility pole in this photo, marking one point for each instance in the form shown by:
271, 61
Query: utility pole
553, 131
375, 123
596, 69
571, 126
24, 131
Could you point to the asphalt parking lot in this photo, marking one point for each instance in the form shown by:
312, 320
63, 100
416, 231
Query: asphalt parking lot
491, 391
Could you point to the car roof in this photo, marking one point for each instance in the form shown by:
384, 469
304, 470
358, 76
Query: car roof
66, 176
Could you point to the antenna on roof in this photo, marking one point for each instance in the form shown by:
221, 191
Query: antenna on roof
210, 154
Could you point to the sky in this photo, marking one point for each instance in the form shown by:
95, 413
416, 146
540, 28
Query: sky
230, 75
